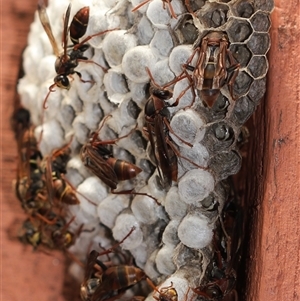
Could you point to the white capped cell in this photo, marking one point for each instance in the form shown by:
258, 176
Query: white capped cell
118, 7
195, 185
136, 3
99, 23
46, 68
98, 63
52, 136
144, 209
116, 44
140, 254
123, 225
155, 189
188, 126
175, 208
195, 231
74, 177
84, 85
138, 93
178, 8
81, 216
161, 73
158, 16
66, 116
53, 102
76, 164
170, 233
162, 43
80, 129
183, 94
135, 61
91, 190
195, 157
178, 57
33, 54
73, 99
163, 260
93, 115
121, 122
110, 207
150, 266
145, 31
115, 83
29, 94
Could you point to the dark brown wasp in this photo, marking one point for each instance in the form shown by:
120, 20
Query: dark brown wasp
57, 185
52, 234
157, 129
99, 159
102, 281
57, 235
67, 61
211, 71
30, 232
29, 185
221, 287
165, 2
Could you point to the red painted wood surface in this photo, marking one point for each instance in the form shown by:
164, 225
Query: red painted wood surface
25, 275
273, 173
274, 168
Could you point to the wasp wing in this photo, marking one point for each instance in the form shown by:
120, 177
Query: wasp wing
47, 27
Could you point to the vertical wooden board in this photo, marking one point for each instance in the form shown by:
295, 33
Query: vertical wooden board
274, 168
25, 275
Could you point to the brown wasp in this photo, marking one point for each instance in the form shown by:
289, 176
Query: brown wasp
30, 185
54, 169
99, 159
157, 129
67, 61
53, 235
211, 71
57, 235
50, 235
30, 232
102, 281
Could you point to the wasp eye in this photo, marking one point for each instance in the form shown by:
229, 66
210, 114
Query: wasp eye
62, 82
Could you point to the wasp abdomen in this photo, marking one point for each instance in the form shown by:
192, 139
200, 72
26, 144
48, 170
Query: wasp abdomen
123, 169
79, 24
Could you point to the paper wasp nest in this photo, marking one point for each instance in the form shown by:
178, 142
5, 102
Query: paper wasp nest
172, 238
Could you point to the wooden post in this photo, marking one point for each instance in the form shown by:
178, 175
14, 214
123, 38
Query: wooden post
273, 179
